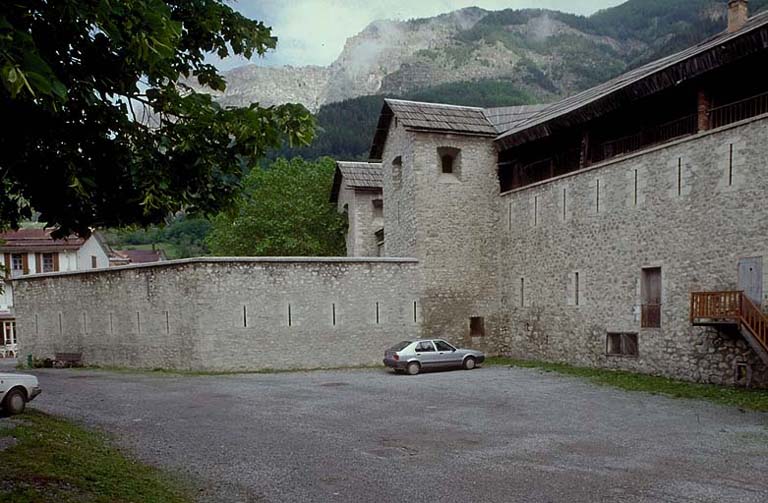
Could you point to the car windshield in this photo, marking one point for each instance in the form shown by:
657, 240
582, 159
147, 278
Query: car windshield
399, 346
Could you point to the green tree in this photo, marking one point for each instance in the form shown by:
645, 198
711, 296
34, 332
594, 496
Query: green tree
98, 129
284, 211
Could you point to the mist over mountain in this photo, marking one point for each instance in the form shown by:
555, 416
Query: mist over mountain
474, 57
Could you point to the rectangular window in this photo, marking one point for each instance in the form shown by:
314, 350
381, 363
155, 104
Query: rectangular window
378, 208
621, 344
94, 262
17, 262
48, 262
650, 292
476, 326
9, 333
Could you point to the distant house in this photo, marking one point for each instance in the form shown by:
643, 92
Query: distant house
125, 257
32, 251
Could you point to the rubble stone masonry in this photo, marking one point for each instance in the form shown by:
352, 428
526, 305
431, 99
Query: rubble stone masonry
222, 314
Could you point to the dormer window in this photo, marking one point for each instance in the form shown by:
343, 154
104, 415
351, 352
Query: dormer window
450, 162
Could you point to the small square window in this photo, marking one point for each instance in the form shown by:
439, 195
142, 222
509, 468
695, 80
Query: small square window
621, 344
476, 326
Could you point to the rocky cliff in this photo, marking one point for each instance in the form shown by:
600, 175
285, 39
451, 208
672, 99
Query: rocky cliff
544, 53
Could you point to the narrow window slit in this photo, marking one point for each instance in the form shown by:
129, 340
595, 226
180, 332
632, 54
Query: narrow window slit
597, 197
522, 292
414, 311
730, 165
333, 310
61, 325
245, 316
679, 176
167, 323
138, 321
576, 288
377, 313
290, 318
635, 187
536, 211
565, 204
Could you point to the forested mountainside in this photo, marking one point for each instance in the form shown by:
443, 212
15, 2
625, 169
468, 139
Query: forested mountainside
482, 58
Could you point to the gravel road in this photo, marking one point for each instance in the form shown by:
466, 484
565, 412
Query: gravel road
492, 435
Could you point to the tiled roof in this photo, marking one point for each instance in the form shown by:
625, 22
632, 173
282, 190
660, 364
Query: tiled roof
645, 80
141, 256
358, 175
506, 118
37, 240
428, 117
363, 175
439, 117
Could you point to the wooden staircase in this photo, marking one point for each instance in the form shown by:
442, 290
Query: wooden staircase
733, 308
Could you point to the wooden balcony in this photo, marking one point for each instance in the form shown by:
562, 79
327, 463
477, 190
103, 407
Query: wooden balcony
732, 308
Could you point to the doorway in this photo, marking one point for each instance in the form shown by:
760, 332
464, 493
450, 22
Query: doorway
751, 278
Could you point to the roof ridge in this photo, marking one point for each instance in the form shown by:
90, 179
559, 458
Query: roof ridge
444, 105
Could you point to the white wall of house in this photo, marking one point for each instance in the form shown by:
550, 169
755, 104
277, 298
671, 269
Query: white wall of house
84, 256
6, 298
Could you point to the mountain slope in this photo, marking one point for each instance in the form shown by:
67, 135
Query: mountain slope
546, 54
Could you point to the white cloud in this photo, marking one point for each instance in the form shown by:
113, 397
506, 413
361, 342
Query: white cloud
313, 32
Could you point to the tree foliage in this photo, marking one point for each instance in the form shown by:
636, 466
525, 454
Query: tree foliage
284, 210
98, 130
181, 237
345, 128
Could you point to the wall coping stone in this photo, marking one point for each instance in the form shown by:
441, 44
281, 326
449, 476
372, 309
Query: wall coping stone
224, 260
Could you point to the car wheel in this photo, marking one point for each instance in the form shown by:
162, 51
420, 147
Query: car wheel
15, 402
413, 368
469, 363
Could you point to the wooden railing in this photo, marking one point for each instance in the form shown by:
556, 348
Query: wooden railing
739, 110
731, 306
754, 320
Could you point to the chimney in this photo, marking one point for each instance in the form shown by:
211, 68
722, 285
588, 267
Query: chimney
738, 13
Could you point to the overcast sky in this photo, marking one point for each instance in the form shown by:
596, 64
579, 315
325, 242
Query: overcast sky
312, 32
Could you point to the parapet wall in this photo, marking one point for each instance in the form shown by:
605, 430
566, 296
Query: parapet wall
222, 314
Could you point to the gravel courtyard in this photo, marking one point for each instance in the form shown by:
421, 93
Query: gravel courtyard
492, 434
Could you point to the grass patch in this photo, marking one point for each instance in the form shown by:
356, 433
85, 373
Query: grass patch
55, 460
749, 399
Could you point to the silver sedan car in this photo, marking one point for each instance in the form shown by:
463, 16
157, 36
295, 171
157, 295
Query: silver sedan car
414, 356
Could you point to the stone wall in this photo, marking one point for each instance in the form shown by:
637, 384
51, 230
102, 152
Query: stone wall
222, 314
447, 221
685, 207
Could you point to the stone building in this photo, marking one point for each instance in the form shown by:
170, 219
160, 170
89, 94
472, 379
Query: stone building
357, 193
615, 228
623, 227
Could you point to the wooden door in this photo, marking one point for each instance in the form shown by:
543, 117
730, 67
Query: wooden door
751, 278
650, 291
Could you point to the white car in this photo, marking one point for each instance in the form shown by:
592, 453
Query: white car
16, 390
